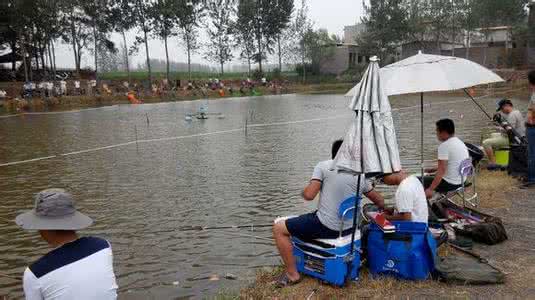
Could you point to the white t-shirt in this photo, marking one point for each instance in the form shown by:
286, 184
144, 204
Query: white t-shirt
454, 151
410, 197
335, 188
81, 270
77, 84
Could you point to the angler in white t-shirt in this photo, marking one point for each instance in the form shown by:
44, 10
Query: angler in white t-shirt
78, 267
411, 204
451, 153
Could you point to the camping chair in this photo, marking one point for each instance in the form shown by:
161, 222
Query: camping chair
468, 177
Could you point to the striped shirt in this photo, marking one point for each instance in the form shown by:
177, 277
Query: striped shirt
82, 270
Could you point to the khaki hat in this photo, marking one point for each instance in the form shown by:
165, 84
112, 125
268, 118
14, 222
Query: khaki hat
54, 210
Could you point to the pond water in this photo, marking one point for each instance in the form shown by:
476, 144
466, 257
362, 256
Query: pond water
178, 174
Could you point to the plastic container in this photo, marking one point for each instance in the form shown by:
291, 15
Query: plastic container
327, 259
406, 254
502, 157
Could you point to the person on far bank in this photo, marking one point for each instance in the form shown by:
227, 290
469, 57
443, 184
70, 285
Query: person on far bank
530, 133
451, 153
333, 187
78, 267
507, 112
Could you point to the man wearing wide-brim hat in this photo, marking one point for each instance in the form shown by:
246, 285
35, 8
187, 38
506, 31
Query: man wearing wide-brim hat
77, 268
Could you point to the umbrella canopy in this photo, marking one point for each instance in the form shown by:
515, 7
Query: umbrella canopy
370, 145
431, 73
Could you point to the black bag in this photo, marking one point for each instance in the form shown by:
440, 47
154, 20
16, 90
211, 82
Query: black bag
491, 232
467, 270
518, 161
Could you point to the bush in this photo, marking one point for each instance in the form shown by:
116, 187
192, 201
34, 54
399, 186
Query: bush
257, 74
276, 74
309, 68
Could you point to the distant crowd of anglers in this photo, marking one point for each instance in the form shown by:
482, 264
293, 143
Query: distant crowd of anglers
212, 87
316, 244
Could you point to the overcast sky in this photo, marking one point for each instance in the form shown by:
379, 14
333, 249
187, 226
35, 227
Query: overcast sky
330, 14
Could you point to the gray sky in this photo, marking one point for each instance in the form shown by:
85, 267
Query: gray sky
330, 14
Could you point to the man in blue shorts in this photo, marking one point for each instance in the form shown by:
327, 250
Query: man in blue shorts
334, 187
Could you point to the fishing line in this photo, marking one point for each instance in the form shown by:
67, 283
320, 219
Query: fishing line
17, 278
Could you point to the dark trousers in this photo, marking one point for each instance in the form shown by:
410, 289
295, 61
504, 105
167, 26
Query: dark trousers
443, 187
530, 134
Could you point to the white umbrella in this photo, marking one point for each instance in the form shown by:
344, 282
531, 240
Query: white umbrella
429, 73
370, 145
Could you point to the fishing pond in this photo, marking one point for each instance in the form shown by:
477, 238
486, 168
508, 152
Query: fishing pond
146, 174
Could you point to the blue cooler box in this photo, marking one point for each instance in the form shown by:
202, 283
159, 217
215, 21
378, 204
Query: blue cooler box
408, 253
327, 259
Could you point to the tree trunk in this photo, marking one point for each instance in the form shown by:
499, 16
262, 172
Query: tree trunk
222, 71
24, 58
303, 55
53, 56
249, 66
280, 52
259, 40
188, 46
74, 46
13, 46
42, 56
49, 51
166, 59
126, 56
95, 39
147, 53
189, 63
467, 54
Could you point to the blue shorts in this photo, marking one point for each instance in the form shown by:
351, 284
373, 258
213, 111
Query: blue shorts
309, 227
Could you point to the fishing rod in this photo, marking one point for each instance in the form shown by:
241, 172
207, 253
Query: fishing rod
202, 228
519, 139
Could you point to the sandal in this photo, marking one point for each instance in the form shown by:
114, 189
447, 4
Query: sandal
284, 281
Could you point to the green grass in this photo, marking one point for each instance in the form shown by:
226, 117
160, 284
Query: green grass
143, 75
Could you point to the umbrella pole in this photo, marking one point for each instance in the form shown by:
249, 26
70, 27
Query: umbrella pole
422, 135
352, 247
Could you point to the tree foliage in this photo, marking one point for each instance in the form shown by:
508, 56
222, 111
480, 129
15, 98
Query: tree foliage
219, 29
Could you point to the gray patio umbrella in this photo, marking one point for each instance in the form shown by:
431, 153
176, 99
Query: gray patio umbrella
370, 145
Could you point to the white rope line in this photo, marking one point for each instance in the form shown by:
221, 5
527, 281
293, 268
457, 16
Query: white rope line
167, 139
26, 161
218, 132
57, 112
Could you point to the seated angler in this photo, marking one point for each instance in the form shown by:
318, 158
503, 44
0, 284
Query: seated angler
410, 201
77, 267
334, 187
507, 113
451, 153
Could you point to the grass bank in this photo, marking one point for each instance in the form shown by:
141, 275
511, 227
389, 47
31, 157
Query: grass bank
500, 197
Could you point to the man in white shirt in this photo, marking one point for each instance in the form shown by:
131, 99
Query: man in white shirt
78, 267
451, 153
411, 203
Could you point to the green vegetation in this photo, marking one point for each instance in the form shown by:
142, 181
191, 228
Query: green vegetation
290, 76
